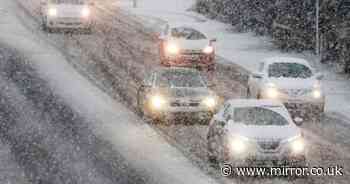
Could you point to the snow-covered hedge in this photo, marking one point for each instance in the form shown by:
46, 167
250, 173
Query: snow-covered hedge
291, 23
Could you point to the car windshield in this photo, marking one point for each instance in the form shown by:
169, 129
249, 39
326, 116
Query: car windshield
187, 33
68, 1
180, 78
258, 116
289, 70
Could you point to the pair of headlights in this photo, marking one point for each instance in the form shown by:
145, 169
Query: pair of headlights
240, 145
173, 49
273, 93
52, 12
158, 102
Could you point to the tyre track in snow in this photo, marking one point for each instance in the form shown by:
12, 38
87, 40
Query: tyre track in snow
121, 73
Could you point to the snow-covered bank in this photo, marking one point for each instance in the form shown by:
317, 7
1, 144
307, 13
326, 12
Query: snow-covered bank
243, 49
138, 143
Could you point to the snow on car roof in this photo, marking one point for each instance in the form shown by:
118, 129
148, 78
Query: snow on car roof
255, 103
286, 60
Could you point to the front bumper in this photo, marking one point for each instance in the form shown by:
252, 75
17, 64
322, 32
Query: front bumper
69, 23
281, 157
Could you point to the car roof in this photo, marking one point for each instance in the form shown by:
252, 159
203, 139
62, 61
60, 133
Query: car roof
272, 60
236, 103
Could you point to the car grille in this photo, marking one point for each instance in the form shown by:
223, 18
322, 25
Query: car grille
296, 92
184, 104
192, 55
269, 145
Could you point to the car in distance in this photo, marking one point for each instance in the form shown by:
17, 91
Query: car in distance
249, 131
66, 14
169, 94
292, 81
184, 46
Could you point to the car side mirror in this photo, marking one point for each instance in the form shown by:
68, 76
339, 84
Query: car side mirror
319, 76
257, 75
213, 40
298, 121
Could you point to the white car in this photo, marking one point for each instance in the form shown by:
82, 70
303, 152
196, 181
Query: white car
290, 80
184, 46
247, 131
70, 14
169, 94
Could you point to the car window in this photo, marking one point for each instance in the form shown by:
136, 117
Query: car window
179, 78
289, 70
258, 116
187, 33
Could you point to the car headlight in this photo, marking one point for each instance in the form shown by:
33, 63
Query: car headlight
172, 48
297, 145
238, 145
52, 12
85, 12
316, 93
210, 102
271, 91
157, 102
208, 49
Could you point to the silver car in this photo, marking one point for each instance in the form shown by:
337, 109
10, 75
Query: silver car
291, 81
245, 132
66, 14
176, 93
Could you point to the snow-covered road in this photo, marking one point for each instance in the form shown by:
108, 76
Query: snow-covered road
114, 60
55, 103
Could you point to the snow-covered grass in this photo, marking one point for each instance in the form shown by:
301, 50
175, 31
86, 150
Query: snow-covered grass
244, 49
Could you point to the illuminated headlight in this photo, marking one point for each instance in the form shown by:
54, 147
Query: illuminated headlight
52, 12
172, 48
272, 93
238, 145
208, 49
157, 102
316, 93
297, 145
85, 12
210, 102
